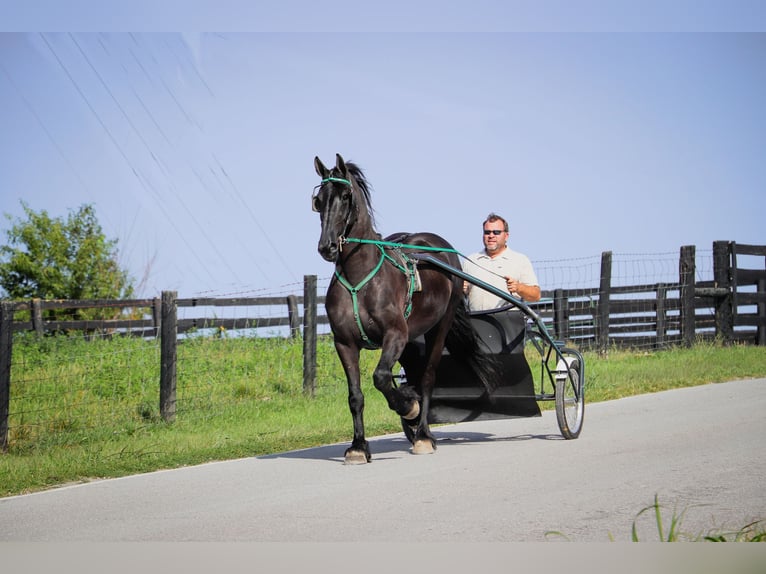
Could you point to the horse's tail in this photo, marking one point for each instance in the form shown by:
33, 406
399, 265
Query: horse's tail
463, 344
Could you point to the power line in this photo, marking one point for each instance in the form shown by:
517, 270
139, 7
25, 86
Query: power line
154, 157
45, 129
138, 97
238, 238
194, 67
119, 148
218, 162
238, 196
145, 181
255, 220
188, 163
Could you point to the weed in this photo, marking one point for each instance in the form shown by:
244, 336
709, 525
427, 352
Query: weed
751, 532
672, 532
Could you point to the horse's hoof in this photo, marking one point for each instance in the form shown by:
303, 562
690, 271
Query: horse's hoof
414, 412
356, 457
423, 447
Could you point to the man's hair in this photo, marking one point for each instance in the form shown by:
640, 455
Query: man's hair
492, 217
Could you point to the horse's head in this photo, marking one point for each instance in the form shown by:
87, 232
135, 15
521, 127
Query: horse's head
336, 203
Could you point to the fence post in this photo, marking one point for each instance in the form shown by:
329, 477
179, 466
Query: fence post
168, 356
560, 314
36, 315
309, 333
6, 348
661, 310
686, 271
157, 315
293, 316
724, 311
760, 336
604, 291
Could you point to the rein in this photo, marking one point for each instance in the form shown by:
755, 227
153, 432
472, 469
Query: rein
419, 247
401, 245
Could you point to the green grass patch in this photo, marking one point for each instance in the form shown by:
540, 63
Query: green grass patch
82, 410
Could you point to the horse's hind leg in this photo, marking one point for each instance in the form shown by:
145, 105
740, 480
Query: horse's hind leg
424, 442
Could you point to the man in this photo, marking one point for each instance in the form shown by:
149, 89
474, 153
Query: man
500, 267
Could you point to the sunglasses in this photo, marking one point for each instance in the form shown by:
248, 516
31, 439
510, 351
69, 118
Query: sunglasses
493, 231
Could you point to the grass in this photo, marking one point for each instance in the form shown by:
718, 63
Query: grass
673, 531
82, 410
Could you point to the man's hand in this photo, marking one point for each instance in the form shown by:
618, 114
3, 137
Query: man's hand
530, 293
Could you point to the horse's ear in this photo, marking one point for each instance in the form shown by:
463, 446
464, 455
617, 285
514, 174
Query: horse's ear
322, 171
340, 164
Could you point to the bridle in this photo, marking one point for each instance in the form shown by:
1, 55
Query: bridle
315, 205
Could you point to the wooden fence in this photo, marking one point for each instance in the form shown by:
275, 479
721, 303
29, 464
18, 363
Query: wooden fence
730, 307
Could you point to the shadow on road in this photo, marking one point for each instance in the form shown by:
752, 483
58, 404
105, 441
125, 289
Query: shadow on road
398, 443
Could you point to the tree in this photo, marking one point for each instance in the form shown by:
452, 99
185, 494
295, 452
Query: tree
56, 258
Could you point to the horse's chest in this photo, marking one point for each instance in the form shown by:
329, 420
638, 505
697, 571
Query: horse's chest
364, 313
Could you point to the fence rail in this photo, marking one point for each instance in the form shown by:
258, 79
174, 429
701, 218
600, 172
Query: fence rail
731, 307
151, 321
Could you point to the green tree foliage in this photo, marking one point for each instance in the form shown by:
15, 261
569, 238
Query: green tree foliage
57, 258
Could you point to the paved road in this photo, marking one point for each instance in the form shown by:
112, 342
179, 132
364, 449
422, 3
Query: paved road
507, 480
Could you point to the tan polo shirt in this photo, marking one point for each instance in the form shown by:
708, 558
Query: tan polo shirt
493, 270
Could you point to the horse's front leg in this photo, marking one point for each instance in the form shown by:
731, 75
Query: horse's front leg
359, 451
404, 403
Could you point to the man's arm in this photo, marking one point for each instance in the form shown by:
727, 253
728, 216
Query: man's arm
529, 293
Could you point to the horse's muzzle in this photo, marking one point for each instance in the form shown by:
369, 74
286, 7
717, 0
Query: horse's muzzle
329, 251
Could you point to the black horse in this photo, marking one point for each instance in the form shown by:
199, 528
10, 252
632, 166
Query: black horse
379, 298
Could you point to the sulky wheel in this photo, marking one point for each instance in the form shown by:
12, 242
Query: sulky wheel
570, 401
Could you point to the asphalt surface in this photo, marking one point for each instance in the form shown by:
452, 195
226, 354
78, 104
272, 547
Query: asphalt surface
699, 450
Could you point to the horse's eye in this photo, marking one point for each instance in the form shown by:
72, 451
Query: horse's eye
315, 203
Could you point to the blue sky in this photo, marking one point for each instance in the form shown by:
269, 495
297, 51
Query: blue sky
197, 148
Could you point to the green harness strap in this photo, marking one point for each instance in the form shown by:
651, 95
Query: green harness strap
402, 245
354, 290
408, 269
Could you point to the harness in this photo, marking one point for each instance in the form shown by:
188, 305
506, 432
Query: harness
408, 266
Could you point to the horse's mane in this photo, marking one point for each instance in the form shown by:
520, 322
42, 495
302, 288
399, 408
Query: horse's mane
364, 186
